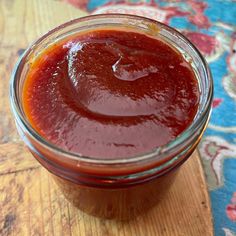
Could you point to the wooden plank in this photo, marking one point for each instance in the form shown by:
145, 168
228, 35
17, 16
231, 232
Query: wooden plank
30, 202
14, 157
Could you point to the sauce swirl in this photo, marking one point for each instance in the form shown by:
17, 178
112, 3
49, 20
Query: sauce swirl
110, 93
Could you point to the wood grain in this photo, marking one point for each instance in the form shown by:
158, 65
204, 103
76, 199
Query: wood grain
30, 202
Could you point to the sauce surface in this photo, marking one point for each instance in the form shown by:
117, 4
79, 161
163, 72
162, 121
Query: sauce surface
110, 93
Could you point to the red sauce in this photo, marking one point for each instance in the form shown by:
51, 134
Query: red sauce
110, 93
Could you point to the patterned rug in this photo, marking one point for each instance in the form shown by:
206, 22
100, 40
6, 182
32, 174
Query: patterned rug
211, 26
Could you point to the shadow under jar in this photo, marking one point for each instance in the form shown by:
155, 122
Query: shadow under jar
121, 186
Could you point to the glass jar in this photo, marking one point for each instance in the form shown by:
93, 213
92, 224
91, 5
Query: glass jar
124, 187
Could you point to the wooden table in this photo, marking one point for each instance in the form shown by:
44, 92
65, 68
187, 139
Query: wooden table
30, 202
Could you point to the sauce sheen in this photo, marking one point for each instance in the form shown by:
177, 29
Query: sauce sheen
110, 94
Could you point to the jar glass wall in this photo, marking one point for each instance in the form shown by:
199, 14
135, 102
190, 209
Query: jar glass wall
121, 187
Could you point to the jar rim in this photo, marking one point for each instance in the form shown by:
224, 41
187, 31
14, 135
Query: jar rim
159, 151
